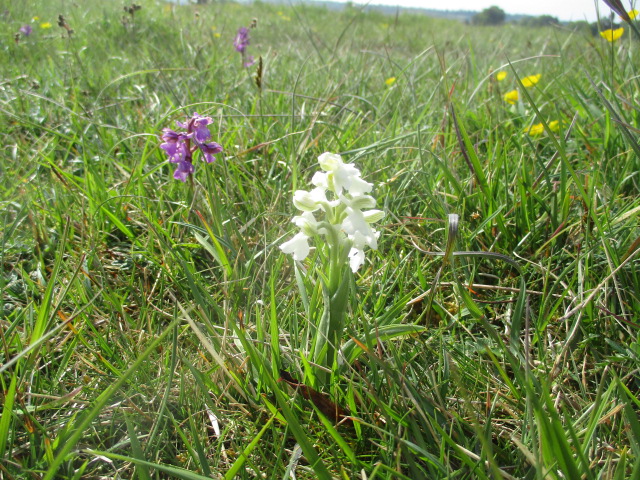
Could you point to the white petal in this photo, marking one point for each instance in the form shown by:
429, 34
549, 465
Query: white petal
330, 161
298, 246
358, 201
373, 216
308, 201
319, 179
342, 177
357, 185
360, 240
307, 223
356, 258
355, 222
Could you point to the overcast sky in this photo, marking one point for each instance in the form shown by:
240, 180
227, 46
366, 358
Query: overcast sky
563, 9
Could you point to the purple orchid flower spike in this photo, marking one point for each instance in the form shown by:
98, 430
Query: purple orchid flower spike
241, 42
179, 147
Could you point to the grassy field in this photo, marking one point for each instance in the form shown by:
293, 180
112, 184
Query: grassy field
145, 321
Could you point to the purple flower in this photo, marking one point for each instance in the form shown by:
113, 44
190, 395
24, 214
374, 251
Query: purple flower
248, 61
201, 132
209, 150
26, 30
241, 42
183, 171
179, 148
174, 145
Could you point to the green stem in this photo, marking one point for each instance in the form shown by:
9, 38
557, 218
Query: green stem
335, 295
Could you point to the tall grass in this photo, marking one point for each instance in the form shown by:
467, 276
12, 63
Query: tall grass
145, 322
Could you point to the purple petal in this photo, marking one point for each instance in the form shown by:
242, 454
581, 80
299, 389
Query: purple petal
209, 150
177, 151
169, 135
183, 171
249, 61
201, 131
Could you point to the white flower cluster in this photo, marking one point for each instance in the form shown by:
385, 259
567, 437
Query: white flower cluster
346, 223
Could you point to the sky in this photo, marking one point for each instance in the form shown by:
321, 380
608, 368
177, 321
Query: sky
562, 9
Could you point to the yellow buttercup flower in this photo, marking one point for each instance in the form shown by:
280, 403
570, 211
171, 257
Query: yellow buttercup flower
35, 19
531, 80
511, 97
536, 130
612, 35
501, 75
217, 35
390, 81
633, 14
45, 25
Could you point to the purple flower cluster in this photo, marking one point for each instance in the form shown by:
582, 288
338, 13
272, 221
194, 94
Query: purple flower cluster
26, 30
180, 146
240, 43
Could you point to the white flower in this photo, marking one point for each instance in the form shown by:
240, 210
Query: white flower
358, 201
319, 179
356, 258
356, 254
309, 201
330, 161
298, 246
341, 176
373, 216
344, 218
356, 227
357, 185
307, 224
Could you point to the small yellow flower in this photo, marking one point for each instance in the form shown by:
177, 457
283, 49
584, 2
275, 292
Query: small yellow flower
531, 80
612, 35
511, 97
45, 25
390, 81
501, 75
633, 14
217, 35
554, 125
35, 19
536, 130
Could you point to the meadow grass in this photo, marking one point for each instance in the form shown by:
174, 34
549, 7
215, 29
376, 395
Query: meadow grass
145, 321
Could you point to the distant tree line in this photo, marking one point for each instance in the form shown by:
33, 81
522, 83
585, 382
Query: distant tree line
497, 16
489, 16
